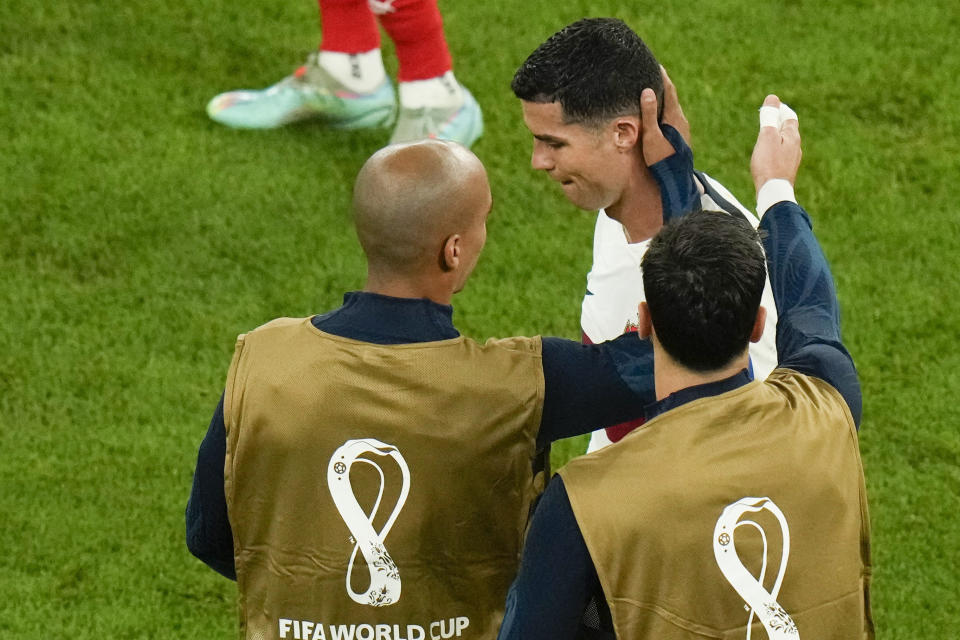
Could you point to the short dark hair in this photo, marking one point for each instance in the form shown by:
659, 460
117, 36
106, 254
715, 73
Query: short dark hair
703, 276
595, 68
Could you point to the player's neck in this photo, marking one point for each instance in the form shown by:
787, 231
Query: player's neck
438, 291
670, 377
639, 208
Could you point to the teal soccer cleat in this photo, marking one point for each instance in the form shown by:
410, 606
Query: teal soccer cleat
463, 124
309, 94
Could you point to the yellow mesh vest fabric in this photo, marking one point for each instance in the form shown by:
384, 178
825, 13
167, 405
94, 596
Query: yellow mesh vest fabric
453, 421
649, 507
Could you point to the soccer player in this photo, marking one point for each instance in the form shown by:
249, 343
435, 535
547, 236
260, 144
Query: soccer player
368, 470
735, 494
345, 85
580, 92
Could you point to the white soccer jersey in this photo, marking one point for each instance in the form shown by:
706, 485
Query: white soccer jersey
615, 287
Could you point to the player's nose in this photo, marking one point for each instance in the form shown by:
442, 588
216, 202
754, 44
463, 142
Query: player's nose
540, 159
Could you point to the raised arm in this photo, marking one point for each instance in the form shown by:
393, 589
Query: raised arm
808, 324
666, 150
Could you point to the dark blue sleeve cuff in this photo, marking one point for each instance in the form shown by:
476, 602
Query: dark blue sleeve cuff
674, 175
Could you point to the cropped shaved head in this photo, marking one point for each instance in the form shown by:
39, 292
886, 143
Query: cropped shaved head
408, 199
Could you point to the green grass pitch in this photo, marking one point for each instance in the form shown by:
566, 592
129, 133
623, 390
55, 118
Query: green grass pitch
137, 238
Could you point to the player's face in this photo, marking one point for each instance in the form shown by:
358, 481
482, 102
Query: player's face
586, 162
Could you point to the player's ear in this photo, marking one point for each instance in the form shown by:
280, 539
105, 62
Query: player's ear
758, 324
644, 324
626, 132
450, 255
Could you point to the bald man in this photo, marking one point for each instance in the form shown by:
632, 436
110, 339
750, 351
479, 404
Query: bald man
402, 219
369, 472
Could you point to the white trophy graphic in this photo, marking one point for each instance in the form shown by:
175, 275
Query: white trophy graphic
384, 586
778, 624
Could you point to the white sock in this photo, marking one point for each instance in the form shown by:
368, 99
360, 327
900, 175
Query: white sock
359, 72
439, 92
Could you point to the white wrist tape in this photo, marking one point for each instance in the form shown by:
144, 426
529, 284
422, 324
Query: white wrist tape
774, 191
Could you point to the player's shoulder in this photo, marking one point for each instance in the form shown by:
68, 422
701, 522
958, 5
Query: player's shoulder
717, 197
796, 387
518, 344
277, 324
785, 377
581, 473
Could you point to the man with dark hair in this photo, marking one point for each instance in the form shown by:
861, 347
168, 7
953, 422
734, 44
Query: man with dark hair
593, 68
581, 95
704, 276
379, 418
734, 493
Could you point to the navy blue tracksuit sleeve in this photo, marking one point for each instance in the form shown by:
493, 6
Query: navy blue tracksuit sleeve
591, 386
808, 325
556, 578
674, 174
209, 536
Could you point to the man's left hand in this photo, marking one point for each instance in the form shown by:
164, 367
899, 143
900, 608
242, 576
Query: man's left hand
655, 146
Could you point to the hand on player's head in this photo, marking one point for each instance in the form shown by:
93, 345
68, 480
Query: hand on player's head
655, 146
777, 153
672, 111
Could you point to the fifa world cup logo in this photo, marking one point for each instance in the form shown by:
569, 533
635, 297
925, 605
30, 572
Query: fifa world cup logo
384, 586
762, 603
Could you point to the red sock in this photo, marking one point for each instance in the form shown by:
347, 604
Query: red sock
416, 28
348, 26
